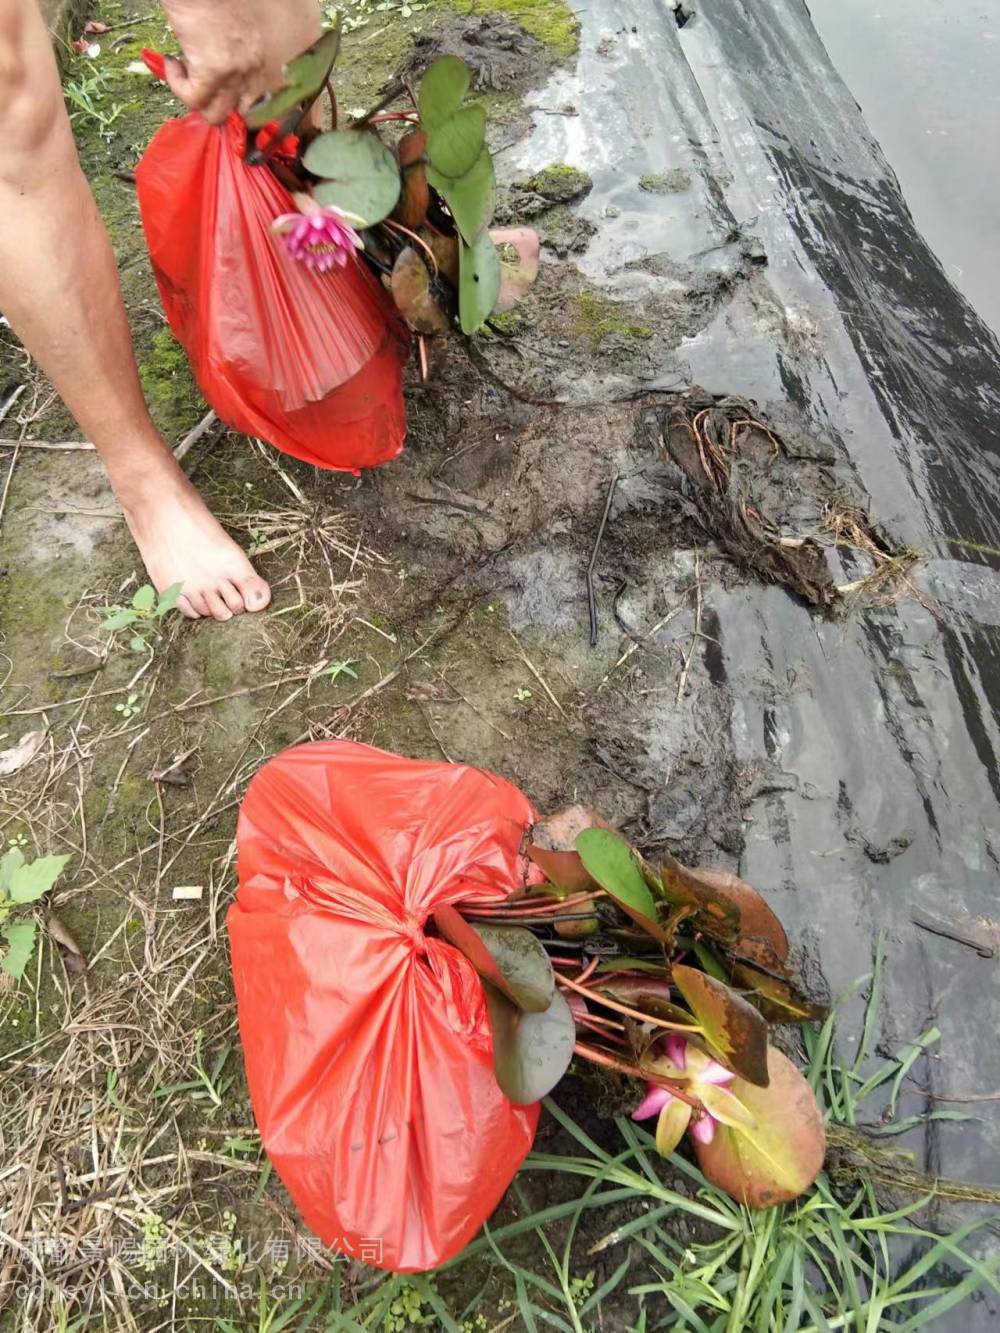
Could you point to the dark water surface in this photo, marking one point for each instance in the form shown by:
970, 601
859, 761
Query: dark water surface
927, 76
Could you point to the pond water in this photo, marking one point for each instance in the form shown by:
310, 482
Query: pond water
927, 77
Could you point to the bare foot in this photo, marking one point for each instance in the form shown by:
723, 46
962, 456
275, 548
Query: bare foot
181, 542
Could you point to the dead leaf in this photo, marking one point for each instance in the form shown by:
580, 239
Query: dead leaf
22, 753
411, 290
73, 956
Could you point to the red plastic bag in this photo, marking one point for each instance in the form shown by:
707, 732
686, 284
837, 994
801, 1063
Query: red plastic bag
367, 1043
310, 362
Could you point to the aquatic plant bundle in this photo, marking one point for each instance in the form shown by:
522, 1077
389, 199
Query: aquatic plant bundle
418, 207
418, 958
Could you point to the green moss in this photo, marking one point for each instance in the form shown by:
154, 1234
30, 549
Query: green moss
174, 398
666, 182
551, 21
598, 316
560, 183
508, 321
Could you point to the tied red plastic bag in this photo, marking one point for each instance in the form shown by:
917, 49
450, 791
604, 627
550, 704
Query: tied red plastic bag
367, 1043
311, 362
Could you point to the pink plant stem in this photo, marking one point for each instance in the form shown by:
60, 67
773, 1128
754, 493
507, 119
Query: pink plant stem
599, 1057
597, 998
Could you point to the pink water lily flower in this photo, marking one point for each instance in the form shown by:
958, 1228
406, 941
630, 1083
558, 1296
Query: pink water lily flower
705, 1079
320, 236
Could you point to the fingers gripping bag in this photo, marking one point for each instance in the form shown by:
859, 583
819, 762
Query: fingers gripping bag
367, 1042
309, 361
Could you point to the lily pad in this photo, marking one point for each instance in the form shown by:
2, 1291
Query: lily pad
471, 197
304, 77
778, 1000
516, 277
782, 1154
457, 931
414, 197
531, 1052
553, 844
613, 864
523, 964
360, 175
455, 145
442, 90
479, 282
732, 1027
411, 290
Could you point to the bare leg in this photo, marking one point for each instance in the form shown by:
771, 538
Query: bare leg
59, 289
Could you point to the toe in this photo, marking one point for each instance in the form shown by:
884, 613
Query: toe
232, 597
217, 608
192, 605
255, 592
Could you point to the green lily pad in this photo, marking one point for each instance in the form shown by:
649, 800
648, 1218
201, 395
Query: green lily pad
531, 1052
478, 283
733, 1028
455, 145
360, 175
523, 964
304, 77
471, 197
615, 866
781, 1155
442, 90
457, 931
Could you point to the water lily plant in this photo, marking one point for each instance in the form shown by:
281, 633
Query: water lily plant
410, 186
662, 974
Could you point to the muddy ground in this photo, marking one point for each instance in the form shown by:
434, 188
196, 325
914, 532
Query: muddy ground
452, 584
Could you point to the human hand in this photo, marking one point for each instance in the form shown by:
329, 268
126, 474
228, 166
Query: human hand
224, 64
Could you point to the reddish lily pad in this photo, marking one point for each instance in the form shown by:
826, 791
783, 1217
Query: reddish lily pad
553, 848
781, 1156
411, 290
778, 999
531, 1052
414, 197
517, 277
730, 910
732, 1027
650, 995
